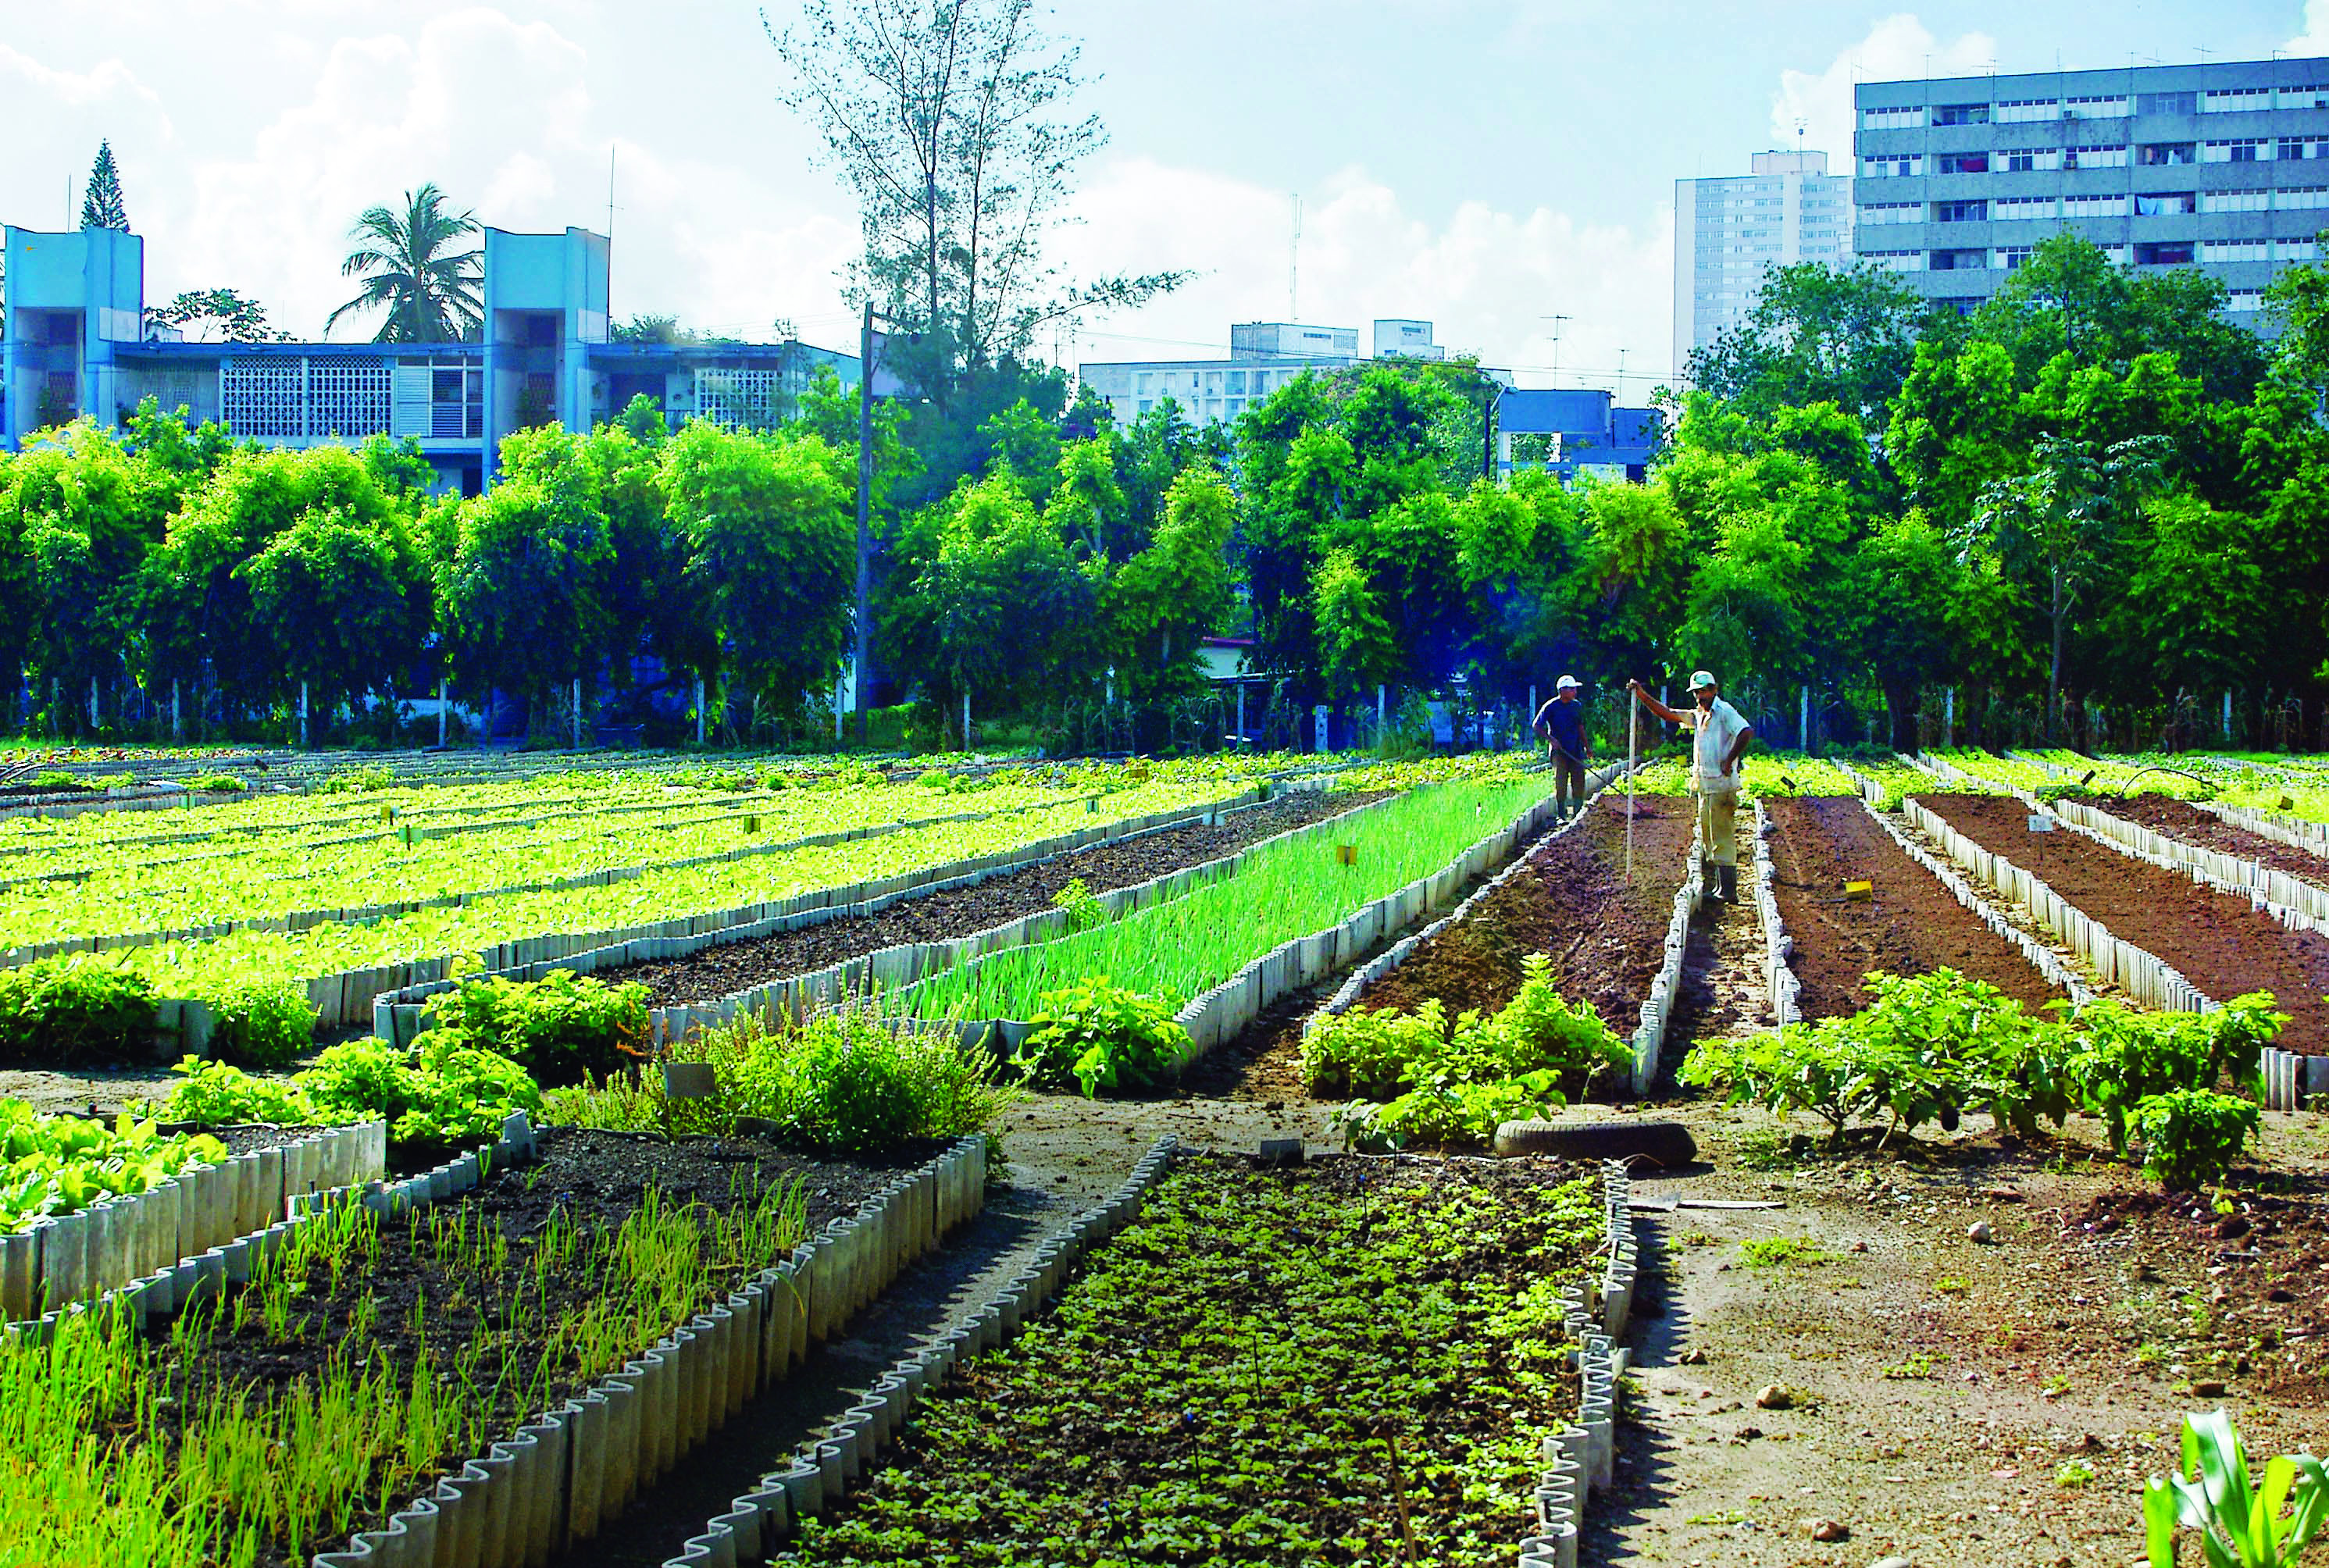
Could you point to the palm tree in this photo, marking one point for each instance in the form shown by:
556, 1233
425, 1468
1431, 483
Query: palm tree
429, 296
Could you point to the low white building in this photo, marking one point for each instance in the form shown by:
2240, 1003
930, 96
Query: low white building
1264, 355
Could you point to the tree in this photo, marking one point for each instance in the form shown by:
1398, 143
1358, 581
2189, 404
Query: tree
771, 540
949, 120
1815, 335
428, 291
2065, 513
521, 592
340, 599
238, 318
100, 201
1160, 604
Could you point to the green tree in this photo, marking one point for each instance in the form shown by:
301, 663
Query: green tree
520, 585
341, 601
100, 201
426, 291
1956, 428
1161, 604
237, 318
770, 533
2196, 615
1815, 335
1360, 651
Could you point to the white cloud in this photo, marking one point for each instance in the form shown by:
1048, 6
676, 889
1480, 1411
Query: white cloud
1488, 280
1898, 48
2315, 39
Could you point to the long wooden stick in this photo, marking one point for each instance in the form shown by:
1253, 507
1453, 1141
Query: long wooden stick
1633, 750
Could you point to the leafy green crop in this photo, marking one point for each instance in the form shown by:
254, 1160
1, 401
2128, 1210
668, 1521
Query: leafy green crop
556, 1027
1105, 1038
61, 1164
2192, 1137
74, 1009
2240, 1525
444, 1093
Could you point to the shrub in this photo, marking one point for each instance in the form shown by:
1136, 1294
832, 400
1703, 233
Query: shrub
1083, 904
2127, 1057
443, 1092
2192, 1137
261, 1023
1363, 1052
1104, 1036
219, 783
558, 1028
56, 779
74, 1008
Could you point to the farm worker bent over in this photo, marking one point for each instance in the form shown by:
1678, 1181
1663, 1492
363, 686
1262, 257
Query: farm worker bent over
1560, 725
1719, 736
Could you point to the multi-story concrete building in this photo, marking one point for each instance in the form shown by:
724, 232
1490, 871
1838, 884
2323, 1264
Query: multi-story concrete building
77, 342
1731, 229
1264, 355
2222, 166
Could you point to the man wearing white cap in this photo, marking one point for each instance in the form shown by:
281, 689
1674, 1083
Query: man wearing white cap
1560, 725
1721, 734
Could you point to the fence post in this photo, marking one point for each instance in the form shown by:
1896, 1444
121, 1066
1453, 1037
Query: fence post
699, 710
1949, 719
1804, 717
1240, 729
2228, 715
177, 726
1378, 714
440, 713
965, 720
302, 703
578, 713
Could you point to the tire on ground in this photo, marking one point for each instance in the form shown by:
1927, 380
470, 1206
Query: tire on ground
1663, 1143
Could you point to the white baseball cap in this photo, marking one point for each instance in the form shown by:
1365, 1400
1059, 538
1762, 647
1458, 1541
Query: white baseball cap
1701, 679
1568, 683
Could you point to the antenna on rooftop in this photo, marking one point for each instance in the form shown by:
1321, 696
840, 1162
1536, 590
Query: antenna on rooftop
1294, 265
1556, 320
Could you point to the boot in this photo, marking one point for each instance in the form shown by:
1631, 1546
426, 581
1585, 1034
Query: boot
1730, 875
1709, 887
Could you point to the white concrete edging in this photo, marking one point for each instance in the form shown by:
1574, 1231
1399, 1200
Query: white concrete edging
1782, 988
556, 1480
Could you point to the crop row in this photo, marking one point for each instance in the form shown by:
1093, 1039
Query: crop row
1287, 888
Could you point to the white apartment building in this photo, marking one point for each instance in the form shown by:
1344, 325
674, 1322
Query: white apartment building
1264, 355
1728, 232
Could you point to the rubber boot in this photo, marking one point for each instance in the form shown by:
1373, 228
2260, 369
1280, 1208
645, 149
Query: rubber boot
1709, 887
1730, 875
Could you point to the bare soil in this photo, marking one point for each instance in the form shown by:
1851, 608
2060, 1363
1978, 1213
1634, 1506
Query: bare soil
1909, 924
1959, 1405
2183, 820
2219, 942
723, 969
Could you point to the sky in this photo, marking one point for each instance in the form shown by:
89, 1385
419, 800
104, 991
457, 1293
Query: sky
1503, 168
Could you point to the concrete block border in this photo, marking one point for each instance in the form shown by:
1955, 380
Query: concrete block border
819, 1474
1785, 990
1580, 1459
133, 1246
1400, 952
554, 1481
1650, 1035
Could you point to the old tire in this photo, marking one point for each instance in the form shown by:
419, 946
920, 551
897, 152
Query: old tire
1662, 1144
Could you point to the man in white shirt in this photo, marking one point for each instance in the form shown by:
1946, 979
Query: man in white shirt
1719, 736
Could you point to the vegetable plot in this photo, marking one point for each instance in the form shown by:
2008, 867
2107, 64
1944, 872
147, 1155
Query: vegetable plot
1352, 1361
56, 1165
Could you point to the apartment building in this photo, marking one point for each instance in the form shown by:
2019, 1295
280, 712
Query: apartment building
1264, 355
2223, 167
1729, 230
77, 342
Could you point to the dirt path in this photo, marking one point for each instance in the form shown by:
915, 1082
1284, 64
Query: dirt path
1953, 1404
2219, 942
1908, 925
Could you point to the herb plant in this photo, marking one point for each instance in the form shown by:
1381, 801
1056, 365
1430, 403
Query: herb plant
1103, 1038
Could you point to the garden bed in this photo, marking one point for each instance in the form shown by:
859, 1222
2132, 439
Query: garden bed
1264, 1367
1570, 901
723, 969
2195, 825
2223, 944
372, 1354
1909, 924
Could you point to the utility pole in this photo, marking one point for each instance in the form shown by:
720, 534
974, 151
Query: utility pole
862, 651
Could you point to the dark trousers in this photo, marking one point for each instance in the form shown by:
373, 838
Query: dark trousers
1567, 780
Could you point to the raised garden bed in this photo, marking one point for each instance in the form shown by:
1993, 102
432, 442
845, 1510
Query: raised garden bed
370, 1354
724, 970
1571, 901
2194, 825
1909, 924
2223, 944
1266, 1368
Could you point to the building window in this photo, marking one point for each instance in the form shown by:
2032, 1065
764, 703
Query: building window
741, 398
2296, 250
2094, 206
1960, 212
2010, 257
2162, 154
1961, 164
1961, 114
1895, 260
2314, 97
2114, 254
1897, 116
2299, 196
2233, 99
2163, 253
2105, 107
2017, 110
2240, 299
2293, 149
1892, 164
2006, 208
2234, 201
260, 397
1959, 260
2164, 203
2235, 250
2248, 150
2094, 157
348, 395
2167, 103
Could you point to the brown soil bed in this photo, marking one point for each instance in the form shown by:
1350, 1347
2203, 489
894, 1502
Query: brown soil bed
1910, 924
2217, 941
1572, 903
418, 1298
723, 971
2183, 821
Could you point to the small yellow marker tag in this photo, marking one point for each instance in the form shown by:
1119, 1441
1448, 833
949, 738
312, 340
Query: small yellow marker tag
1348, 854
1860, 889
